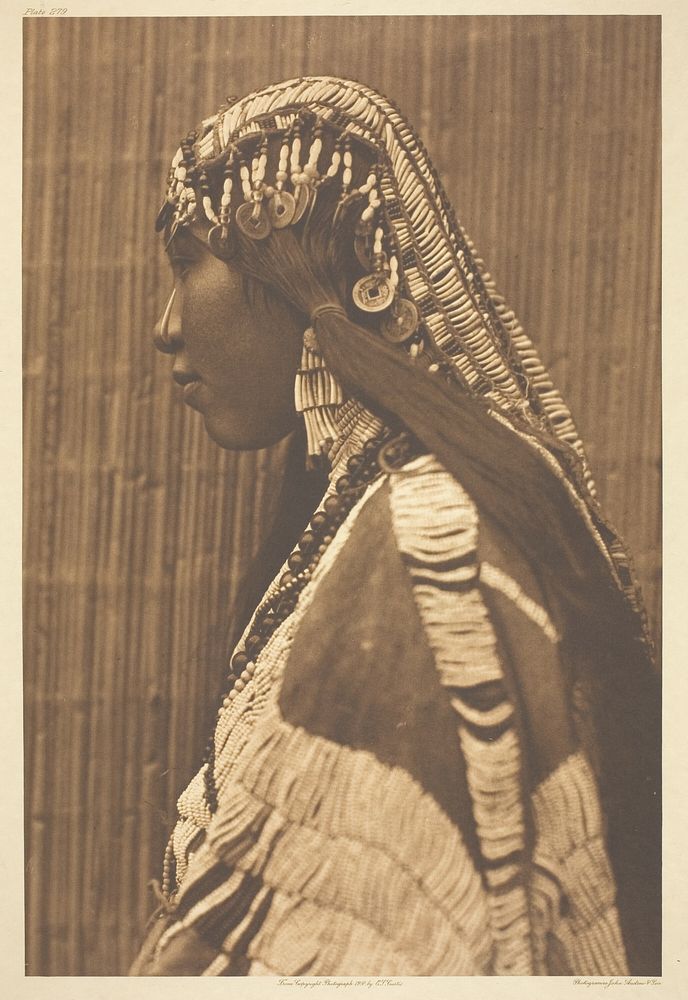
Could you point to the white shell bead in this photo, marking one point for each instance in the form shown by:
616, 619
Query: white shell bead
316, 149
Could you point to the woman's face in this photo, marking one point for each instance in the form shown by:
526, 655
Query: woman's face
235, 360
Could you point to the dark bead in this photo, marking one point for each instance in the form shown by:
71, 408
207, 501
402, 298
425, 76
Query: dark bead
239, 661
354, 463
296, 561
267, 624
343, 484
370, 448
254, 643
285, 579
332, 506
319, 520
307, 541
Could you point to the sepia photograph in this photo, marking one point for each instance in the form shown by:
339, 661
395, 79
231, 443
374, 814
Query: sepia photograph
342, 496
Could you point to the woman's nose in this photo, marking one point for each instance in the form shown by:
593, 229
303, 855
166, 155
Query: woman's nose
167, 334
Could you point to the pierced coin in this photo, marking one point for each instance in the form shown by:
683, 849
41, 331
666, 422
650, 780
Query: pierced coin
373, 293
219, 247
402, 322
281, 209
253, 221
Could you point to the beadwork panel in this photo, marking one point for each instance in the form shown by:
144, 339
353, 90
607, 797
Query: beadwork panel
546, 133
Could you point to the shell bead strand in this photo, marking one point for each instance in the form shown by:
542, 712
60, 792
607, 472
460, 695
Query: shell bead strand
251, 217
311, 167
206, 200
281, 206
348, 162
297, 176
226, 199
183, 175
245, 175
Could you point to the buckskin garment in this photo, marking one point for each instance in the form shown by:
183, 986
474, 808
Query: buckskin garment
408, 783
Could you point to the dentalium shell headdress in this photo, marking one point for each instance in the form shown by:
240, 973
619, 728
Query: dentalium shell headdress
416, 249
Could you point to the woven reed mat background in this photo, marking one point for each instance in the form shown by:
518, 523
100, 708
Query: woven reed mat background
546, 131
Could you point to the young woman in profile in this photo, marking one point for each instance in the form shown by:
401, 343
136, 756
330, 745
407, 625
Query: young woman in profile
437, 752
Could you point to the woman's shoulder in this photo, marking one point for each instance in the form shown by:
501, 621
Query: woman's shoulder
423, 599
421, 525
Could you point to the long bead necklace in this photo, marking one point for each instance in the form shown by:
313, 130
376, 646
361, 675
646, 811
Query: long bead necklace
387, 451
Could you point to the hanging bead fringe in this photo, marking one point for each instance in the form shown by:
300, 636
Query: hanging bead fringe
317, 395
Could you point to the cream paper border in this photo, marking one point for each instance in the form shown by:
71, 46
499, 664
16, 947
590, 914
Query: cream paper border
674, 983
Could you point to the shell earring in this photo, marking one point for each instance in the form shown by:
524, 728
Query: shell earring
317, 395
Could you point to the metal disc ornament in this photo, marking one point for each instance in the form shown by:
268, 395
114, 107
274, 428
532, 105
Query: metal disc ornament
253, 221
281, 208
302, 197
401, 323
219, 247
373, 293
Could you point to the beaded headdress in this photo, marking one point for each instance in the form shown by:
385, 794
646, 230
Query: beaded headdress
420, 257
421, 276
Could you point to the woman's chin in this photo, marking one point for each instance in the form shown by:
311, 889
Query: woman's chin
234, 437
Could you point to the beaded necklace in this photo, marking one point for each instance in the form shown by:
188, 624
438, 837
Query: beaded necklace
384, 452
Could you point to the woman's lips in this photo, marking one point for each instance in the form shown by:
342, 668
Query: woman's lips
189, 382
190, 389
